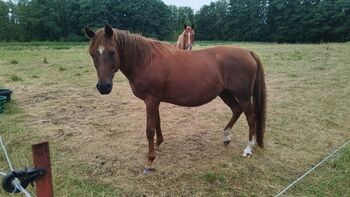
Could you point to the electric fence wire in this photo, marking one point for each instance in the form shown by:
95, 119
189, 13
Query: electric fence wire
15, 182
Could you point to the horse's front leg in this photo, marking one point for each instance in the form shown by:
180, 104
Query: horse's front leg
152, 108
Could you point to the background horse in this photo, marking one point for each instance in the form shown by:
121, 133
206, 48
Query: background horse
186, 38
158, 72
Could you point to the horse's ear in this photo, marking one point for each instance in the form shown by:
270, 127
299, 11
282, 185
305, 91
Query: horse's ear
185, 26
108, 31
89, 32
192, 26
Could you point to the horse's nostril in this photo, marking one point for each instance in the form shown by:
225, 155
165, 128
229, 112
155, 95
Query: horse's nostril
97, 86
109, 85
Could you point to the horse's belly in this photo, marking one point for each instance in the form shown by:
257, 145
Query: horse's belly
191, 97
190, 102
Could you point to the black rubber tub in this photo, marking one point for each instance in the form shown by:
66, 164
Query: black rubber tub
7, 93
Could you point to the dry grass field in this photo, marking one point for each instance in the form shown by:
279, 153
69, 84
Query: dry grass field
98, 143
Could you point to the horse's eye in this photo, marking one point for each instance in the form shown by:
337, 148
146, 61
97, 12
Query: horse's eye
112, 52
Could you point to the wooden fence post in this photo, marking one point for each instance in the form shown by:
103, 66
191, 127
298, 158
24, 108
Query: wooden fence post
41, 159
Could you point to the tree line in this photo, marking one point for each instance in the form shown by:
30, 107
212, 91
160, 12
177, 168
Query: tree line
275, 20
64, 20
237, 20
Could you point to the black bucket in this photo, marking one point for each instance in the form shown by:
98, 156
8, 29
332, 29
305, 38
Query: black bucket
7, 93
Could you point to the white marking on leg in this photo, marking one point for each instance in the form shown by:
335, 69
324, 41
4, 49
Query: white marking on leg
227, 134
248, 151
101, 49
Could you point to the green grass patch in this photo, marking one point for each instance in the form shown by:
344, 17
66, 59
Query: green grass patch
215, 178
45, 61
12, 108
13, 62
40, 45
307, 117
332, 178
62, 68
16, 78
18, 140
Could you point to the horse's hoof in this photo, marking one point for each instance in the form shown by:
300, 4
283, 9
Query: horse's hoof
159, 143
227, 142
247, 153
147, 171
157, 146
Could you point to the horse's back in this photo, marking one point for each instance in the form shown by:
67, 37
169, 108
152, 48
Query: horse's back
233, 54
236, 66
204, 74
226, 60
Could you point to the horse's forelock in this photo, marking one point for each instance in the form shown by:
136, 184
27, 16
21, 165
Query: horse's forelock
101, 40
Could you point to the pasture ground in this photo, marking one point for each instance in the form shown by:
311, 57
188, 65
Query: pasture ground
98, 144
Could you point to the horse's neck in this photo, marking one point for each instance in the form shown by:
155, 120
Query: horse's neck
128, 68
179, 43
132, 61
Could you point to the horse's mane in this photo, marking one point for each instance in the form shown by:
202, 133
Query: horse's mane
134, 49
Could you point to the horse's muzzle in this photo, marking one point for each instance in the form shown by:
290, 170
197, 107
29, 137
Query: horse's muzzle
104, 88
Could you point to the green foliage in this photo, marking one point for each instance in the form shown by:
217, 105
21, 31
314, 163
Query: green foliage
275, 20
239, 20
179, 17
64, 20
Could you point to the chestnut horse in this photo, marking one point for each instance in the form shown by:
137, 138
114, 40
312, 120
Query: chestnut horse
158, 72
186, 38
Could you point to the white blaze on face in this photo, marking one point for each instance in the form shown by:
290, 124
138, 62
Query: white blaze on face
101, 49
189, 38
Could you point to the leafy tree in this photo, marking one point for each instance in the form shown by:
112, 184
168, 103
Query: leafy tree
205, 20
241, 20
4, 20
179, 16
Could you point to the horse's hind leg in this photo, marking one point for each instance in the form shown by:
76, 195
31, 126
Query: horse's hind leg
248, 109
236, 109
158, 131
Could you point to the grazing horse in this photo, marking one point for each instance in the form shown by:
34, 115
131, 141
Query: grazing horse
186, 38
158, 72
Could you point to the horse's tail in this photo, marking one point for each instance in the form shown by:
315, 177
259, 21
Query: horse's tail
259, 99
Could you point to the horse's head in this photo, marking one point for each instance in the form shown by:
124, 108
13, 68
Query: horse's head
104, 52
188, 36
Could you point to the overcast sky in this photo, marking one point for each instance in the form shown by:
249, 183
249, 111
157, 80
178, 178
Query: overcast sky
194, 4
